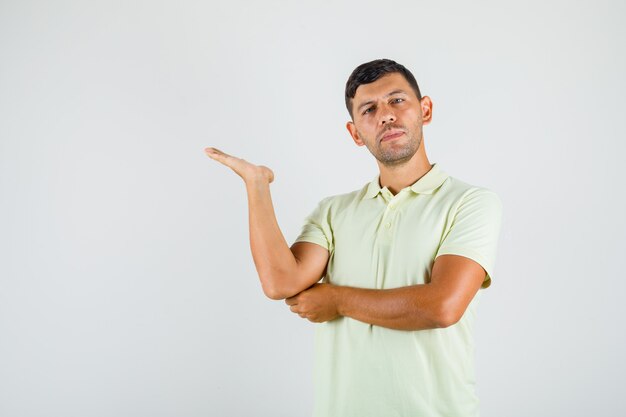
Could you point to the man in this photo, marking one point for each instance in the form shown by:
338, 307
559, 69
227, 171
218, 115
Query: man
402, 259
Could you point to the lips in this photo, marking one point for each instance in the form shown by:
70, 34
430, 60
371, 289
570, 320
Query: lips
392, 134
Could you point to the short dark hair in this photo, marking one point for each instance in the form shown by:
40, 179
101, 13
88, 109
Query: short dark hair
371, 71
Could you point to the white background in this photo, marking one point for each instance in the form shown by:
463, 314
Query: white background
127, 287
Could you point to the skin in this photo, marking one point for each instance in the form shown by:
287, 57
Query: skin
293, 273
401, 161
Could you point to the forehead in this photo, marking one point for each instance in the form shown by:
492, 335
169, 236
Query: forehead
384, 85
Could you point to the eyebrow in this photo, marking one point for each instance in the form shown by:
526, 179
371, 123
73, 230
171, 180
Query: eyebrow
390, 94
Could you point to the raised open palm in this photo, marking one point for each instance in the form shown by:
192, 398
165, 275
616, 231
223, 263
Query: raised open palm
247, 171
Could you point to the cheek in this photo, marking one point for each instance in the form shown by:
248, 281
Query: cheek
412, 119
372, 129
365, 134
412, 114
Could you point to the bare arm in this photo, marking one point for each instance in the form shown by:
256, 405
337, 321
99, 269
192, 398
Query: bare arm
441, 303
283, 271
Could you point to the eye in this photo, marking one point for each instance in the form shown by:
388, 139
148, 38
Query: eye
398, 100
367, 110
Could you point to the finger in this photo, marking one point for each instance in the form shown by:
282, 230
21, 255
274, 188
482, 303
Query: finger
218, 155
213, 152
236, 164
294, 309
291, 301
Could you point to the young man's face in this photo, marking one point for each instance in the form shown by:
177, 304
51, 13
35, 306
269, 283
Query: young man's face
388, 119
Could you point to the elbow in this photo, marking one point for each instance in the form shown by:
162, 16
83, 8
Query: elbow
447, 316
275, 289
446, 321
270, 284
272, 292
278, 285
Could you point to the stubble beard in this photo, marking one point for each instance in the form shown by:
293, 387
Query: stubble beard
391, 155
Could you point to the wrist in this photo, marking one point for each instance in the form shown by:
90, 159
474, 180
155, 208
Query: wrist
338, 297
257, 182
258, 176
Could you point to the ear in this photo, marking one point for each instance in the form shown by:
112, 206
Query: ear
355, 135
426, 105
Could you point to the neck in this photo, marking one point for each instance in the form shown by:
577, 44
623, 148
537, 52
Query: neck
398, 177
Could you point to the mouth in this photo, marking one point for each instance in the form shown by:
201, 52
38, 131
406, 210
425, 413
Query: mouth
394, 134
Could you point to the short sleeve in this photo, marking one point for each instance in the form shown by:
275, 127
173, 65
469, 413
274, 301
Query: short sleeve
475, 230
317, 228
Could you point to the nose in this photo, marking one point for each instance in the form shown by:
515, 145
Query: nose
387, 115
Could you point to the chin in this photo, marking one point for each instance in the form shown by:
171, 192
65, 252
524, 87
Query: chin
395, 160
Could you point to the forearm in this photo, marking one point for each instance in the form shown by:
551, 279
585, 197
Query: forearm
272, 256
441, 303
416, 307
274, 261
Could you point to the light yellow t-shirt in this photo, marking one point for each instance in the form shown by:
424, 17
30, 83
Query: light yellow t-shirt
378, 240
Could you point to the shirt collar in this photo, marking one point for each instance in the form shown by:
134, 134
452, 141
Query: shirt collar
427, 184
